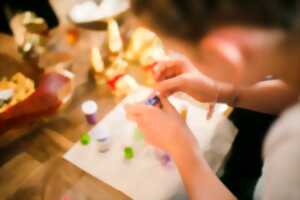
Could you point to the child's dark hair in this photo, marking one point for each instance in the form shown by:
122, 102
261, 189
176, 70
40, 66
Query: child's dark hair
189, 19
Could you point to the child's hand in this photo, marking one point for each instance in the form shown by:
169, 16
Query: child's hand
163, 128
196, 85
171, 68
179, 74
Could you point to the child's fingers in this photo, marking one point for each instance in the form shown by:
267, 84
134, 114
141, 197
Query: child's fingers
131, 113
133, 109
140, 109
170, 86
166, 105
165, 69
159, 71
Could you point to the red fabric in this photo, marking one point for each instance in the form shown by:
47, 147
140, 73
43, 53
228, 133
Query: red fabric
112, 82
43, 102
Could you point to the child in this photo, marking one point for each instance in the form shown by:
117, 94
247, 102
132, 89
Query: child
260, 51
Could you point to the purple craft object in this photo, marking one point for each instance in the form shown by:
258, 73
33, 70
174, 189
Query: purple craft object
153, 101
165, 159
89, 108
91, 119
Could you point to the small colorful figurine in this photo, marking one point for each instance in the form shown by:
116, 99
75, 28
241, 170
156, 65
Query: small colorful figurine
154, 101
124, 86
163, 157
85, 139
115, 43
128, 153
103, 145
102, 139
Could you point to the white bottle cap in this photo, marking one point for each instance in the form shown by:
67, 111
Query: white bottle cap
89, 107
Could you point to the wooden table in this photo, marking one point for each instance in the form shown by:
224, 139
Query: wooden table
33, 167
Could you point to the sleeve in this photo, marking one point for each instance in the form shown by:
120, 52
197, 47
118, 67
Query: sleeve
281, 172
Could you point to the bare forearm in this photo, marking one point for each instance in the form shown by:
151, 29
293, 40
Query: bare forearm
199, 180
267, 96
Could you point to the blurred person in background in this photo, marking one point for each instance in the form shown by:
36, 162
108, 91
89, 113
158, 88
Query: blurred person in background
8, 8
243, 53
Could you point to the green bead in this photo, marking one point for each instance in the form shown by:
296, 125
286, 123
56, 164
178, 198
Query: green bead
85, 139
137, 134
128, 153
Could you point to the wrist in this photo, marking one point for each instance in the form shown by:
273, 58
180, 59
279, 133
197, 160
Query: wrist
228, 93
189, 157
185, 146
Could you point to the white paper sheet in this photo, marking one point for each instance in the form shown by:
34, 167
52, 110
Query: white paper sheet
144, 177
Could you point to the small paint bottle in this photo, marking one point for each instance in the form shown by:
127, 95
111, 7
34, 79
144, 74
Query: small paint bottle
90, 108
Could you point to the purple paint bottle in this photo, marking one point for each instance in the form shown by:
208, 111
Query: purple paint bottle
89, 108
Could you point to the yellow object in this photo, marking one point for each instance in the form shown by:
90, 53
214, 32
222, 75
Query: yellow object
33, 23
144, 47
100, 79
228, 111
152, 54
96, 60
22, 88
140, 39
125, 85
184, 112
119, 66
115, 43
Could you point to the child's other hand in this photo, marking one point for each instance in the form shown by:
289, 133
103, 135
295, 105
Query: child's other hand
163, 128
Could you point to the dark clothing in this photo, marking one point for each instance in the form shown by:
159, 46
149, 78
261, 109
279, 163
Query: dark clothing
8, 8
243, 168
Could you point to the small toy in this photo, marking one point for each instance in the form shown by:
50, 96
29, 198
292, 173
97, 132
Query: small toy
103, 144
118, 66
115, 43
100, 79
163, 157
85, 139
128, 153
125, 85
96, 60
112, 82
144, 47
153, 54
103, 140
89, 108
153, 101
